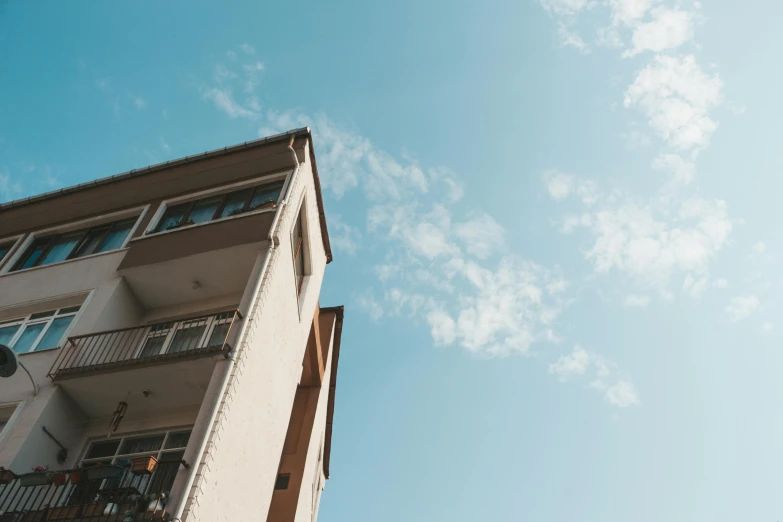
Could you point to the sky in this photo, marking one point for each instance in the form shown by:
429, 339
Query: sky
554, 228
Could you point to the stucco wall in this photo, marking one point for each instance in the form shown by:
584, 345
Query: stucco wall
236, 480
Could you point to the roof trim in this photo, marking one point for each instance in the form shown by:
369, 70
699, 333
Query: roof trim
303, 132
338, 333
286, 136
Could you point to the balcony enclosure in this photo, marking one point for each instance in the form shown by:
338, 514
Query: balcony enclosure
143, 345
126, 478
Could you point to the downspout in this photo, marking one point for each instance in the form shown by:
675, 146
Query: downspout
274, 242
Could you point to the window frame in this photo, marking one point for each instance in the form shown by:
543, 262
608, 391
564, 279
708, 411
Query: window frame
23, 322
8, 420
301, 243
153, 228
24, 243
178, 325
12, 243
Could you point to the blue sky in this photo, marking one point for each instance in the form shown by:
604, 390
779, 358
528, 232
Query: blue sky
554, 227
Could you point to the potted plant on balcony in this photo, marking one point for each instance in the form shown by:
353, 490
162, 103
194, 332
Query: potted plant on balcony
75, 476
6, 476
269, 203
143, 465
99, 472
40, 476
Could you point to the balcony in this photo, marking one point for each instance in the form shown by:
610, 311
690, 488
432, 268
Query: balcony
78, 495
153, 344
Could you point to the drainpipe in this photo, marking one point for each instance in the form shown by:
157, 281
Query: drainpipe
274, 242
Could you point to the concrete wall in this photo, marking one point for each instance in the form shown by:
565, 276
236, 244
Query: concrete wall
235, 480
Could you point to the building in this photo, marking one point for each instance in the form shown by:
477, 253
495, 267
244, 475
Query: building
180, 365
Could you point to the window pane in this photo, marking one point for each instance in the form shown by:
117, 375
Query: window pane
218, 336
235, 203
2, 425
141, 444
68, 310
28, 337
117, 236
177, 440
204, 211
168, 465
153, 346
91, 242
55, 333
33, 254
172, 217
4, 249
104, 448
186, 339
41, 315
265, 194
61, 248
7, 333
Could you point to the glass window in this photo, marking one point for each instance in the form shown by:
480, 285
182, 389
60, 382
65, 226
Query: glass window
172, 217
71, 245
186, 339
266, 194
7, 333
4, 249
117, 235
103, 448
204, 210
219, 334
92, 241
54, 334
177, 440
142, 444
38, 331
152, 346
28, 338
33, 254
235, 203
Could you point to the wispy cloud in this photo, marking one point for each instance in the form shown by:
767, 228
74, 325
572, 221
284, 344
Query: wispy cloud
605, 376
741, 307
247, 48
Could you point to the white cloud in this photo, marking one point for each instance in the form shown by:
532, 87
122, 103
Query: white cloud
616, 387
760, 247
571, 365
343, 236
683, 171
741, 307
669, 29
443, 327
10, 188
559, 184
636, 301
370, 305
251, 75
139, 102
564, 7
224, 100
481, 236
677, 97
767, 326
570, 38
628, 12
622, 394
231, 55
247, 48
720, 283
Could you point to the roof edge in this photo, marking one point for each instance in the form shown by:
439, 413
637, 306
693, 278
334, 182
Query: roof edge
338, 333
302, 131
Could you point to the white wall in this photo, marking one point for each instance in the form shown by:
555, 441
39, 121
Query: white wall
237, 479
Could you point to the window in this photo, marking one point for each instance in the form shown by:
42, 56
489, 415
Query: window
187, 335
217, 207
299, 251
36, 332
282, 480
70, 245
4, 249
167, 447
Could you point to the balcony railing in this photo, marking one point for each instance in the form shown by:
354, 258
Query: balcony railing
155, 343
75, 496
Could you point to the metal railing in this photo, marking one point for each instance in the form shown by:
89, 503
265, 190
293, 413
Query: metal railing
71, 495
158, 342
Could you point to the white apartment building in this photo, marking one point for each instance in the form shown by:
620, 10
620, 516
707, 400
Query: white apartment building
164, 355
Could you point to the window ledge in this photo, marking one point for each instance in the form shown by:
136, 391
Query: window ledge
38, 351
206, 223
74, 260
